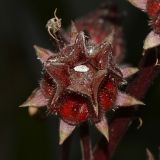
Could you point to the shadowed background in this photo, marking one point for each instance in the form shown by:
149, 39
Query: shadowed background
23, 25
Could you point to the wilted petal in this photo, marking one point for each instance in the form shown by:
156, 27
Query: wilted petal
139, 4
152, 40
149, 155
36, 99
102, 126
65, 130
126, 100
43, 54
128, 71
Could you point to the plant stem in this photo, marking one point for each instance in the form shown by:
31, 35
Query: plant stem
65, 149
86, 146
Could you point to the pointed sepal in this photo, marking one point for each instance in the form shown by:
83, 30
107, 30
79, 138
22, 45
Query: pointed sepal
59, 72
141, 4
149, 155
80, 48
103, 57
73, 33
95, 87
102, 126
128, 71
152, 40
42, 54
65, 130
36, 99
126, 100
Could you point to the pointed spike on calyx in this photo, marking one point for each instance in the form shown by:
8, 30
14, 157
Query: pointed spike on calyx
149, 155
152, 40
73, 32
127, 100
103, 127
141, 4
80, 39
110, 38
128, 71
42, 54
65, 130
80, 47
36, 99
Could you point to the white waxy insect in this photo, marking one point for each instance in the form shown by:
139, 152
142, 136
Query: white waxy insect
81, 68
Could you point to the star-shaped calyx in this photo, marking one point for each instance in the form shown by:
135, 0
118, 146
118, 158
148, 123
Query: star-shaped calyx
80, 83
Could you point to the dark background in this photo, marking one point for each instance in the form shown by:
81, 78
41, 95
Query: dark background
22, 24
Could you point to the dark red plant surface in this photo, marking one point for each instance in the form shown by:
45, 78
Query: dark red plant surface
83, 75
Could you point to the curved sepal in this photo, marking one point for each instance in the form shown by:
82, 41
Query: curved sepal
42, 54
126, 100
95, 86
65, 130
102, 126
152, 40
59, 72
103, 57
149, 155
73, 33
128, 71
80, 48
36, 99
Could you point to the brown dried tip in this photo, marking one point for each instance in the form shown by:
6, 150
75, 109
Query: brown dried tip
102, 126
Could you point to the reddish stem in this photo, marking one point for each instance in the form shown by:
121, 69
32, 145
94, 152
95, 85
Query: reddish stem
86, 146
